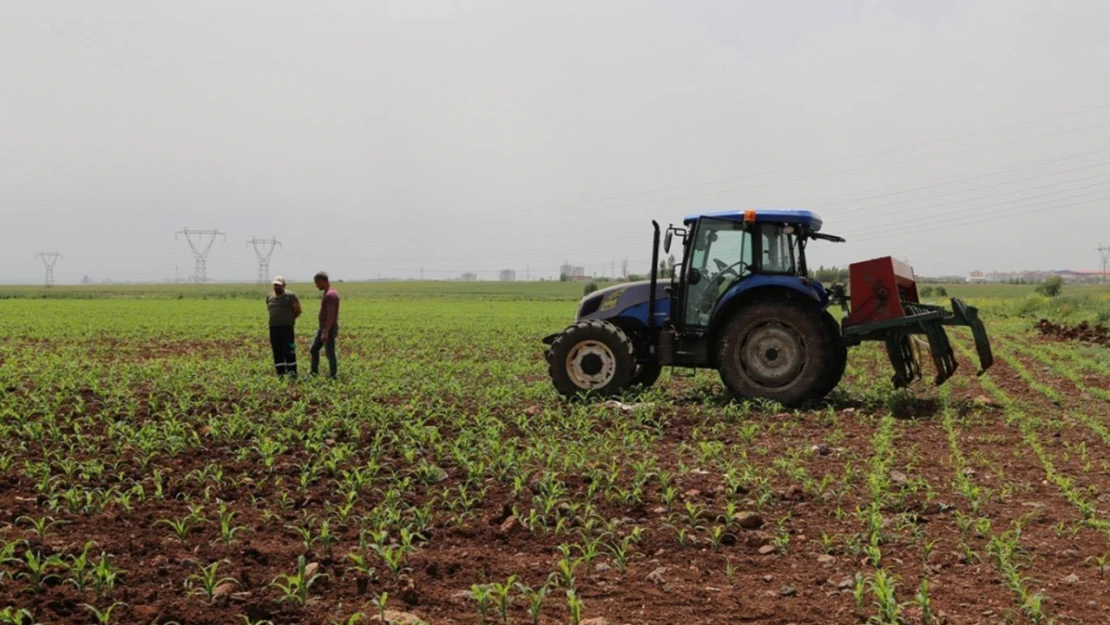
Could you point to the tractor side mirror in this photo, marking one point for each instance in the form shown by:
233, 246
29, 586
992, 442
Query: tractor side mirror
667, 240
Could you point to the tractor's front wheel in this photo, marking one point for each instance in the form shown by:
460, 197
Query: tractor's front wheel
591, 357
776, 350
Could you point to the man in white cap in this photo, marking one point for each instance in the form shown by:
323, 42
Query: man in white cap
284, 309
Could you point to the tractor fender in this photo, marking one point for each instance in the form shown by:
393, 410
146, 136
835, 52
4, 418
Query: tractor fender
758, 285
775, 288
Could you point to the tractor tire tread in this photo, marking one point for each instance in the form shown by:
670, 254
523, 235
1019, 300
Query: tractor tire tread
838, 357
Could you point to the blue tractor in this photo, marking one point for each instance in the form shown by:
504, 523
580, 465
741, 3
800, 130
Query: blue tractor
741, 301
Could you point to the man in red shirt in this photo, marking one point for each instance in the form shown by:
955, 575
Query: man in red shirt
329, 326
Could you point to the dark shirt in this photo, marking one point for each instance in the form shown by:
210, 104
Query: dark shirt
281, 309
329, 309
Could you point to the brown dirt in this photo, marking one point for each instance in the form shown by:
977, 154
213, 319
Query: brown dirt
694, 588
1097, 334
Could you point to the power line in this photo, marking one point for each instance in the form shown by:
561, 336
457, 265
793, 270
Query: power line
1101, 178
49, 259
200, 250
264, 250
600, 206
823, 205
1101, 107
973, 209
984, 217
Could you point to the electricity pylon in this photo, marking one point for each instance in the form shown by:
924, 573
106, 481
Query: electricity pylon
200, 250
49, 259
1104, 253
264, 249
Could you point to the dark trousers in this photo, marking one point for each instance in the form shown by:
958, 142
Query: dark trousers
329, 349
285, 350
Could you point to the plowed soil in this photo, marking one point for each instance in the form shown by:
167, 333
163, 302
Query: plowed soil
1082, 331
796, 564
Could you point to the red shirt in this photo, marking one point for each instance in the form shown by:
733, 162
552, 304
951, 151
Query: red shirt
329, 309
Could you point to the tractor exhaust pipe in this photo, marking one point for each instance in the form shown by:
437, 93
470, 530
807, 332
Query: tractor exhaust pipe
654, 275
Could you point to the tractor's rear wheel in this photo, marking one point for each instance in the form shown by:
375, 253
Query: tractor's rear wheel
591, 357
777, 350
646, 375
838, 356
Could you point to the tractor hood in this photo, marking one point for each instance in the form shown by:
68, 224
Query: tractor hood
615, 300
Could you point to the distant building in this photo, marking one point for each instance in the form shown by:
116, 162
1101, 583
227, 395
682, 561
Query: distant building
1080, 276
469, 276
976, 276
508, 275
572, 272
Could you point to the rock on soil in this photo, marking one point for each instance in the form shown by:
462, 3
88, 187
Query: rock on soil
394, 617
225, 589
510, 526
748, 520
756, 540
656, 576
600, 620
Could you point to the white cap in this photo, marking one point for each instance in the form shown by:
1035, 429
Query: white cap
280, 280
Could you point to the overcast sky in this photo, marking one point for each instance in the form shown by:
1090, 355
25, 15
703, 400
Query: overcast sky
373, 138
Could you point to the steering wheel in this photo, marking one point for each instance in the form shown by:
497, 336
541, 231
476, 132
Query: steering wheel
723, 268
709, 295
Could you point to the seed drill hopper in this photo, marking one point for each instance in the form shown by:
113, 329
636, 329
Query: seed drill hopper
885, 306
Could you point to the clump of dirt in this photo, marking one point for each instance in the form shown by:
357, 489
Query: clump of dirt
1098, 334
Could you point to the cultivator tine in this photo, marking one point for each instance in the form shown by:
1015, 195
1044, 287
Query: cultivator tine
903, 358
969, 316
941, 349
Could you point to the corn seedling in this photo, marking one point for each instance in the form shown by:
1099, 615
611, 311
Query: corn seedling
208, 580
102, 617
295, 586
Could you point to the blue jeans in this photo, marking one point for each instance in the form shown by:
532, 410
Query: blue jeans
329, 349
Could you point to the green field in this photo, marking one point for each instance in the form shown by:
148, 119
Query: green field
150, 460
1086, 302
365, 290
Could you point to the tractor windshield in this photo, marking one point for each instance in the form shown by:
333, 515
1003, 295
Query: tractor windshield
778, 250
721, 254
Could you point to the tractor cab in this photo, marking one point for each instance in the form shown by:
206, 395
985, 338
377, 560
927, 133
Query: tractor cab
730, 252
